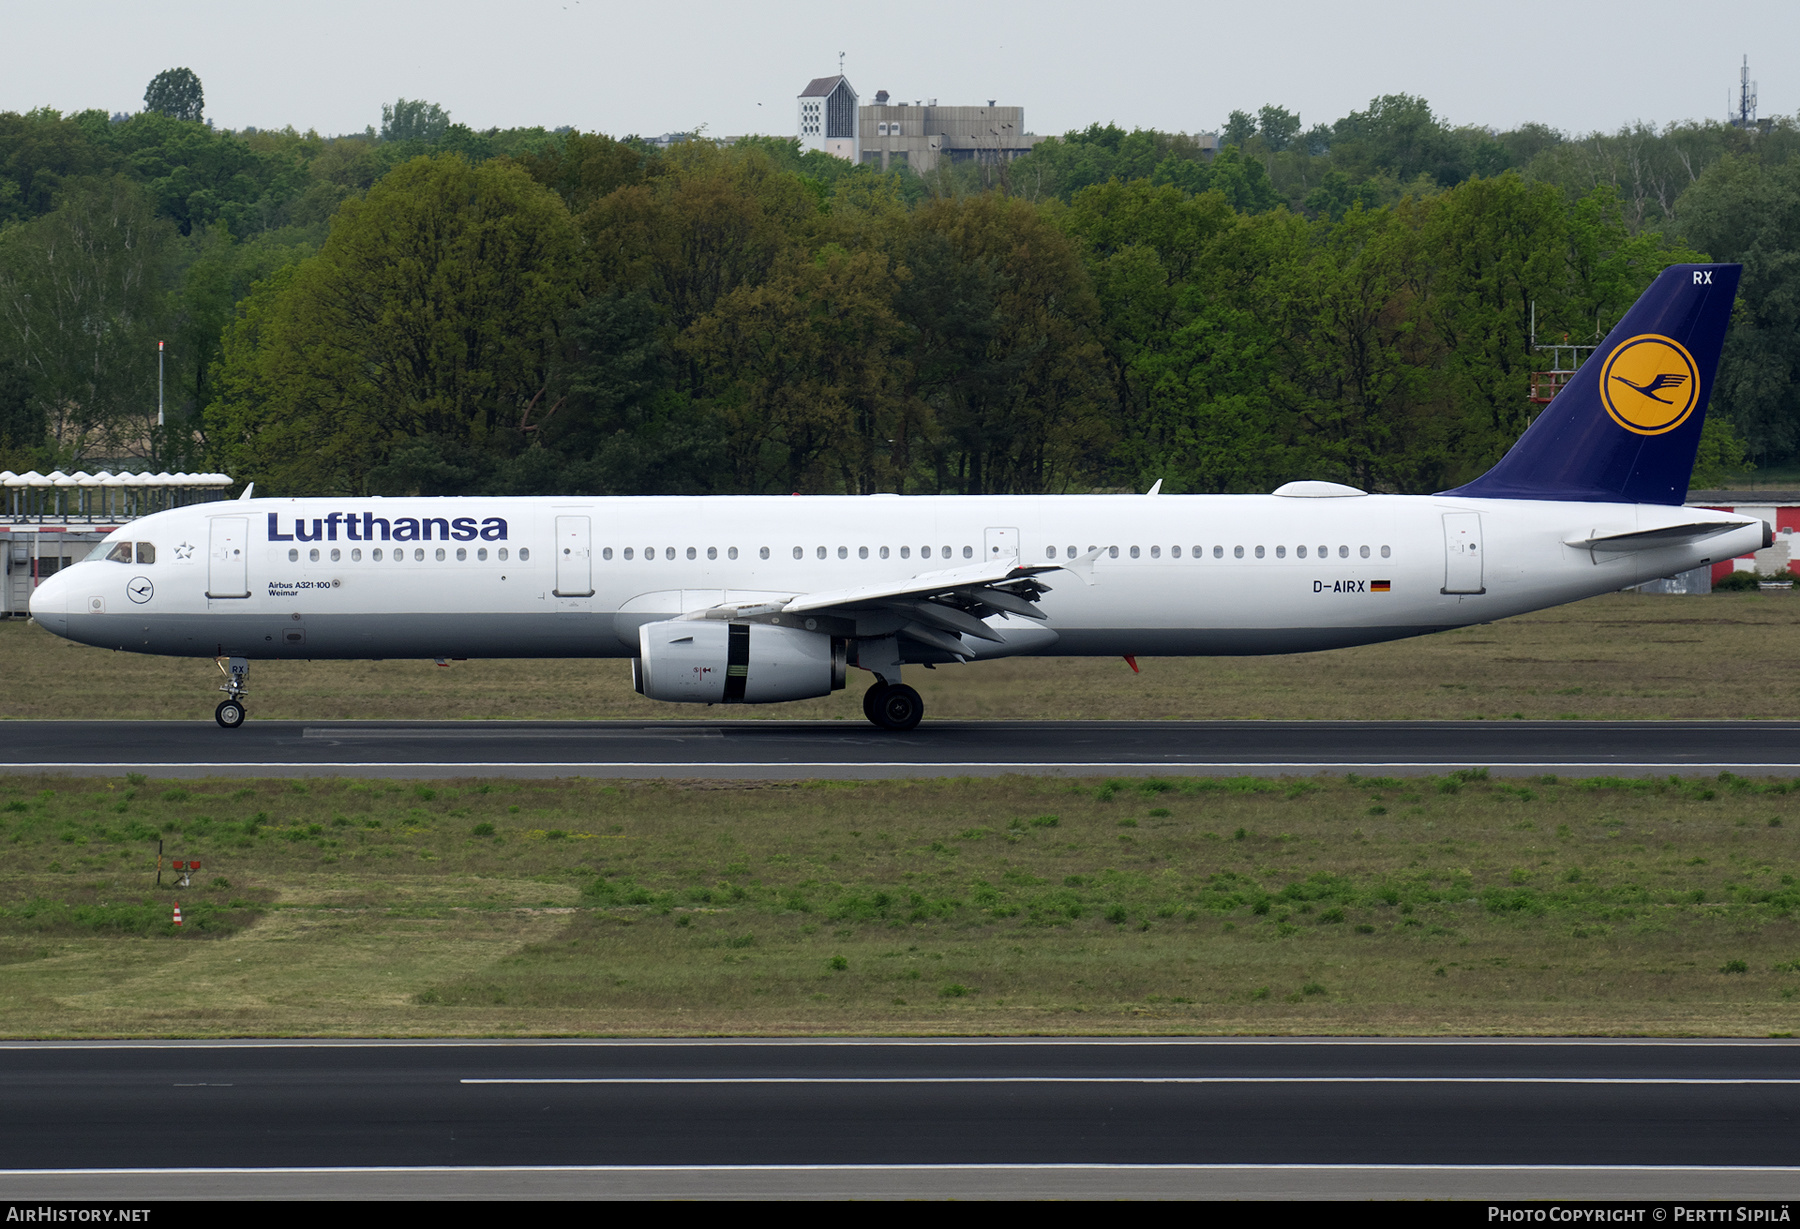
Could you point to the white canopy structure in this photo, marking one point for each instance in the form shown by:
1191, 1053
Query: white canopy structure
32, 498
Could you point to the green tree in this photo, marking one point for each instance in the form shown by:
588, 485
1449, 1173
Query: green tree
39, 152
804, 368
81, 309
176, 93
413, 120
21, 419
428, 325
1278, 127
1022, 402
1740, 210
1240, 127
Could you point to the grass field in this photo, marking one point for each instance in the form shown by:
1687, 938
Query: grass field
1457, 905
1625, 655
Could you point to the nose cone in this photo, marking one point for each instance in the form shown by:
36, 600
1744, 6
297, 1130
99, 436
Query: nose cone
50, 603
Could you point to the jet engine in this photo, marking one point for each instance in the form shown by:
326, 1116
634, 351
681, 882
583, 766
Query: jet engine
710, 661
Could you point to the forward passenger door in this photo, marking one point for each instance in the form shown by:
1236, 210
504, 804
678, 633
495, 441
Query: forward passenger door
228, 557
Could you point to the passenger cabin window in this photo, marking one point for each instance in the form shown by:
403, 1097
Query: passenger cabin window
906, 552
1281, 552
524, 553
1363, 551
1112, 552
1050, 552
120, 553
1385, 552
293, 555
1300, 552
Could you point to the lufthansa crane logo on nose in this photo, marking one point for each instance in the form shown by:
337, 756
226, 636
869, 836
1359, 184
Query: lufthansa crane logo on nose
1650, 384
140, 589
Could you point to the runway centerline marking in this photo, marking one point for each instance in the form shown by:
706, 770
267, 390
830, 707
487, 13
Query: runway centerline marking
485, 733
1130, 1079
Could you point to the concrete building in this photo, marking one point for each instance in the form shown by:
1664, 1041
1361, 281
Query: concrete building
922, 134
49, 521
827, 118
919, 134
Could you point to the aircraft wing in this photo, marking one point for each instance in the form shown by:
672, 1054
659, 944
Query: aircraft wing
925, 585
937, 608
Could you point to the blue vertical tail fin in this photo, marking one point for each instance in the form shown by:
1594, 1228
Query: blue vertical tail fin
1626, 427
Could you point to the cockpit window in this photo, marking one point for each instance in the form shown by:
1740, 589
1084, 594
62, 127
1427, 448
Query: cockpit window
146, 552
120, 553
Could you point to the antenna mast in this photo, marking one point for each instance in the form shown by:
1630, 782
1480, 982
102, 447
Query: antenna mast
1746, 104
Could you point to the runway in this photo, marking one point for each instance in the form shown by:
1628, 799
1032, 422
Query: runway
1174, 1118
780, 749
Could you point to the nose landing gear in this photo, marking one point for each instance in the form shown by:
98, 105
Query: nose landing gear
230, 713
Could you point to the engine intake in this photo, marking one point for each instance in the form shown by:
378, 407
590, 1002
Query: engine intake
707, 661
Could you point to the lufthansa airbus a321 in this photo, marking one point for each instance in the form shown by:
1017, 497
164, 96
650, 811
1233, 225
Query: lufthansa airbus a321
754, 600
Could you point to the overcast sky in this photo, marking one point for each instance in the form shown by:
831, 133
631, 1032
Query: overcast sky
736, 66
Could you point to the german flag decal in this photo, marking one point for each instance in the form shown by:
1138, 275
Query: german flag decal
1380, 586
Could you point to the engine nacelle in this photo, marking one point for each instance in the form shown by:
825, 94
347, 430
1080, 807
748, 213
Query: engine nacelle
709, 661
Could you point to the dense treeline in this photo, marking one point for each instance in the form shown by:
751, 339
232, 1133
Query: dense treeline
426, 308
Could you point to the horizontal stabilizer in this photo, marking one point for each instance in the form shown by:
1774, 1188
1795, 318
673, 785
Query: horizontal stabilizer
1657, 539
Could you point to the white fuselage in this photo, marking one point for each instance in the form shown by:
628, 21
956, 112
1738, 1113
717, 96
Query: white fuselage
577, 577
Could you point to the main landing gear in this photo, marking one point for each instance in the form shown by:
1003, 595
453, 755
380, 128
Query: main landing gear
230, 713
893, 706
